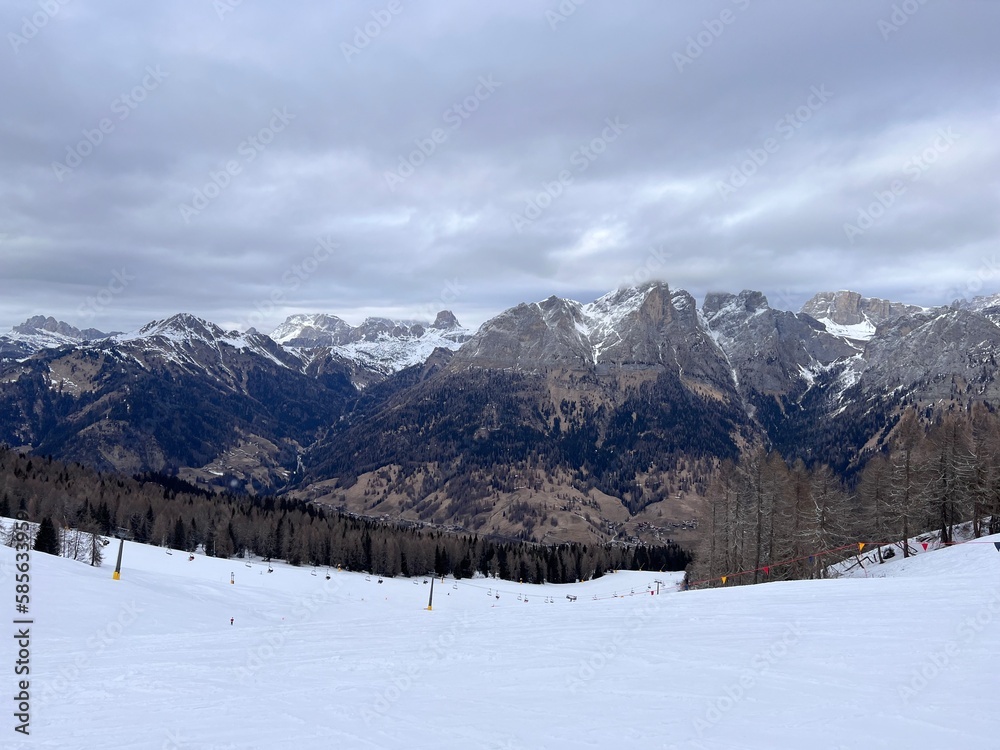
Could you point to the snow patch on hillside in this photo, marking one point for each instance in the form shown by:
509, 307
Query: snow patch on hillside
862, 331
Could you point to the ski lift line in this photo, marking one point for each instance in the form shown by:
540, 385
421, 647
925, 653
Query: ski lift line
493, 591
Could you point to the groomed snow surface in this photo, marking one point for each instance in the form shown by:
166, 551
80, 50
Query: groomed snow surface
904, 658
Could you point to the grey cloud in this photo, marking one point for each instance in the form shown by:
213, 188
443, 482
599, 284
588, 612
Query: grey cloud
653, 192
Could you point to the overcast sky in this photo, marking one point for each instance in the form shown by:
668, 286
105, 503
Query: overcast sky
244, 161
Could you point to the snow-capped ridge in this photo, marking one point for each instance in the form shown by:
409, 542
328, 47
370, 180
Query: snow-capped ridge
178, 338
39, 332
381, 344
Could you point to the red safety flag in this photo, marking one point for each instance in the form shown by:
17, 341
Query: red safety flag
767, 570
924, 545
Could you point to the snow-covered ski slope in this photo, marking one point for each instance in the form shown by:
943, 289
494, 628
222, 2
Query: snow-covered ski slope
151, 661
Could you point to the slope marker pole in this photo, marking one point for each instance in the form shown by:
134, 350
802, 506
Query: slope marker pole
118, 565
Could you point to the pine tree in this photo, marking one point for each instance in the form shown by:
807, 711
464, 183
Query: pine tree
47, 539
179, 541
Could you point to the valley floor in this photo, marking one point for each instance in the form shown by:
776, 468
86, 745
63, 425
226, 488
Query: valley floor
904, 658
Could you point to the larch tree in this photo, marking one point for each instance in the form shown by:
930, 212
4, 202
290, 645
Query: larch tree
950, 472
875, 493
908, 502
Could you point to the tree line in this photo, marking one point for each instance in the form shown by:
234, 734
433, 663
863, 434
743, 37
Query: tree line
937, 470
161, 510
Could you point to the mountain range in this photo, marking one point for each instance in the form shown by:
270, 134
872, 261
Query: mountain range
556, 420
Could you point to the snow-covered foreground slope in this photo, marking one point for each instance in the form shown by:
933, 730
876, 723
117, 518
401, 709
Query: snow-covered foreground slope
152, 661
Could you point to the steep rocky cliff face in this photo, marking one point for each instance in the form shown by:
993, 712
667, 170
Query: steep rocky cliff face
772, 352
850, 308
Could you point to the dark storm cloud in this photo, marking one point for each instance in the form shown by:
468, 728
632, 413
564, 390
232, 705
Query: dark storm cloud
473, 156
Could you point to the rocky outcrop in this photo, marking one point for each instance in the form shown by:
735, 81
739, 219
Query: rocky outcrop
39, 323
848, 308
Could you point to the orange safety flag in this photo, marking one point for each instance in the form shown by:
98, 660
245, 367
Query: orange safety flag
724, 578
861, 546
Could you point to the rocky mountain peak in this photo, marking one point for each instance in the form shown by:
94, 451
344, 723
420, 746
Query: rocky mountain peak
847, 308
376, 348
40, 324
445, 321
181, 325
771, 351
857, 314
640, 327
311, 330
725, 303
988, 306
